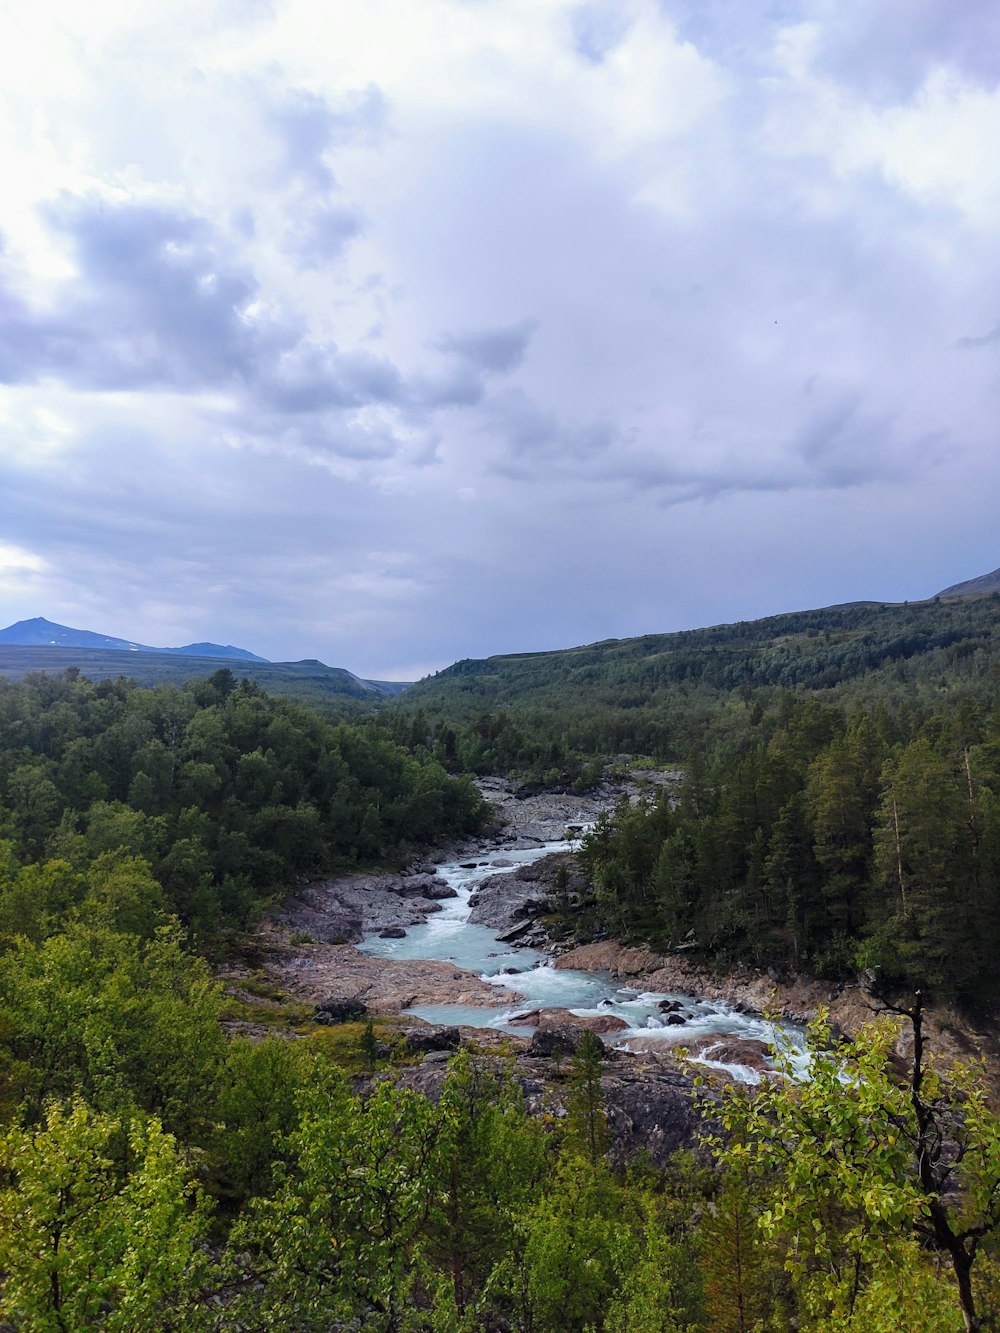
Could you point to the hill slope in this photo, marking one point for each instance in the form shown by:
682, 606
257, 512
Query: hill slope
811, 649
308, 682
662, 693
977, 587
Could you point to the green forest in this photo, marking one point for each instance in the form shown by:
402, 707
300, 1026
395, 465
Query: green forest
158, 1173
829, 841
544, 717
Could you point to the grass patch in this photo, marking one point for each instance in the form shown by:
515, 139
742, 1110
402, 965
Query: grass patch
291, 1014
342, 1043
261, 987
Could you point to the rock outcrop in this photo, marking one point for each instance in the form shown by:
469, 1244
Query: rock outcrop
314, 972
797, 999
651, 1106
510, 903
342, 911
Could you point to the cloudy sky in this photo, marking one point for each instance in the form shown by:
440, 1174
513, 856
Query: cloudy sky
391, 332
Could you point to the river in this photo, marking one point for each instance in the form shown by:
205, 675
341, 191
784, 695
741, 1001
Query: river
448, 935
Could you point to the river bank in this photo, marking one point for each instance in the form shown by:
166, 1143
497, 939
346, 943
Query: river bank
799, 999
307, 941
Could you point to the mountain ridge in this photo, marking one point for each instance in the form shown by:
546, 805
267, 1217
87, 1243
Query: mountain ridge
42, 645
41, 633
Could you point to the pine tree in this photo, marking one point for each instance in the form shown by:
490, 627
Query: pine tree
587, 1129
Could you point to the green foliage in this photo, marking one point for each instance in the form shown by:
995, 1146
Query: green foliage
824, 847
545, 716
225, 792
120, 1020
339, 1238
100, 1227
573, 1236
490, 1165
740, 1265
369, 1045
841, 806
853, 1173
587, 1131
257, 1110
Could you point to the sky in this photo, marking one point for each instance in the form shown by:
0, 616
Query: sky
394, 332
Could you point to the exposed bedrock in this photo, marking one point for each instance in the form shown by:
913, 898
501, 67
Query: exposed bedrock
315, 972
334, 911
651, 1106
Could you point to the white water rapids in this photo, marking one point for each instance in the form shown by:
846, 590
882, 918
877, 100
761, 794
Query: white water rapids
448, 935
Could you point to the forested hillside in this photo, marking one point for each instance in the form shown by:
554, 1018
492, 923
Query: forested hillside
546, 714
824, 839
226, 792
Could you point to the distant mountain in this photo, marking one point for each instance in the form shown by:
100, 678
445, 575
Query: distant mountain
40, 645
308, 682
39, 632
978, 587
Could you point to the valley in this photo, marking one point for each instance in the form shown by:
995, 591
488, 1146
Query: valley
581, 926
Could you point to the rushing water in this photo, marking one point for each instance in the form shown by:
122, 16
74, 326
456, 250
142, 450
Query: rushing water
448, 935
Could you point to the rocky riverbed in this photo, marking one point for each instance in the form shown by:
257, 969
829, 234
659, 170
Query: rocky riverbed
308, 939
345, 909
850, 1006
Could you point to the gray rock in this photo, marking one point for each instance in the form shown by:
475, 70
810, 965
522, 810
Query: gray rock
437, 888
392, 933
655, 1112
435, 1039
421, 886
651, 1109
344, 1009
556, 1040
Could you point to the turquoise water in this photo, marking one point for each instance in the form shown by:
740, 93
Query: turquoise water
448, 935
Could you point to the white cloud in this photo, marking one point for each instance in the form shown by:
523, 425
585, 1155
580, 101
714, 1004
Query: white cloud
16, 559
938, 147
540, 294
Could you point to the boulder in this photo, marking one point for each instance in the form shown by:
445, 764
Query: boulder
421, 1040
556, 1040
437, 888
728, 1050
343, 1009
602, 1024
421, 886
437, 1058
392, 933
